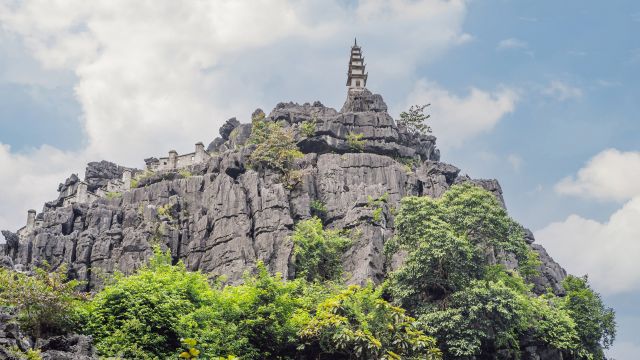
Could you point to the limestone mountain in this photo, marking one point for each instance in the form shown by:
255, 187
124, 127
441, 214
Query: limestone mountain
219, 215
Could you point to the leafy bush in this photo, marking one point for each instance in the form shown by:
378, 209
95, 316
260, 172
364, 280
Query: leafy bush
318, 251
137, 316
355, 142
113, 194
165, 211
135, 182
492, 315
257, 320
308, 128
275, 146
357, 323
595, 323
414, 120
46, 302
185, 173
16, 354
377, 205
318, 208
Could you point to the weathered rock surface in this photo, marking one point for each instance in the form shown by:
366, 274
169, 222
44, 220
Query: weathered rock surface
226, 217
63, 347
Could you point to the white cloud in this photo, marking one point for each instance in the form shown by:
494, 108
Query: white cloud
455, 119
156, 75
30, 179
610, 175
512, 43
562, 91
606, 251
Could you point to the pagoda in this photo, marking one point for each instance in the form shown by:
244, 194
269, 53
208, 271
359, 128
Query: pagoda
357, 77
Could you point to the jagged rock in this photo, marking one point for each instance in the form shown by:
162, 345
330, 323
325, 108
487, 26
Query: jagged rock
528, 236
98, 174
228, 127
12, 243
216, 145
551, 274
364, 100
68, 347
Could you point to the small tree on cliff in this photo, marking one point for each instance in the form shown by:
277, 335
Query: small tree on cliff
414, 119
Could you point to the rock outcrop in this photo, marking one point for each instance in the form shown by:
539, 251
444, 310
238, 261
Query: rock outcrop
14, 343
223, 217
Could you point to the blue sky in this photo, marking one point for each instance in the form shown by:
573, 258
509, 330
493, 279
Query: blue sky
542, 95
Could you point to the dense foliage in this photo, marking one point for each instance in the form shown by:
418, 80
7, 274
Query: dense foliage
138, 316
595, 323
455, 281
164, 311
45, 302
357, 324
275, 146
318, 251
449, 241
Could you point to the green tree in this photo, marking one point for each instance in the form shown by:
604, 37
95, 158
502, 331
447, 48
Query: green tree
449, 241
318, 251
494, 313
595, 323
137, 316
46, 301
256, 320
414, 119
357, 323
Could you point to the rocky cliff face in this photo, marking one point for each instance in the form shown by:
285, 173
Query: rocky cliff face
223, 217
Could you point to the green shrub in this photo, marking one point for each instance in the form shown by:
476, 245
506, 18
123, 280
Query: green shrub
318, 251
185, 173
414, 120
138, 316
595, 323
113, 194
165, 211
259, 319
308, 128
318, 208
275, 147
46, 301
140, 176
355, 141
357, 323
492, 315
377, 206
17, 354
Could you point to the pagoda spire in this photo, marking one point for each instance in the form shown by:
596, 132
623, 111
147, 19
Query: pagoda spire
356, 75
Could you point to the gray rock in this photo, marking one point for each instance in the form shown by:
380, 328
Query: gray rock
551, 274
98, 174
362, 101
228, 127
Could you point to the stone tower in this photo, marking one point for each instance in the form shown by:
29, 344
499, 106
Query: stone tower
357, 77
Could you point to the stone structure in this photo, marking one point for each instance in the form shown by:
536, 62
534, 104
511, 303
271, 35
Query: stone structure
356, 76
176, 162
